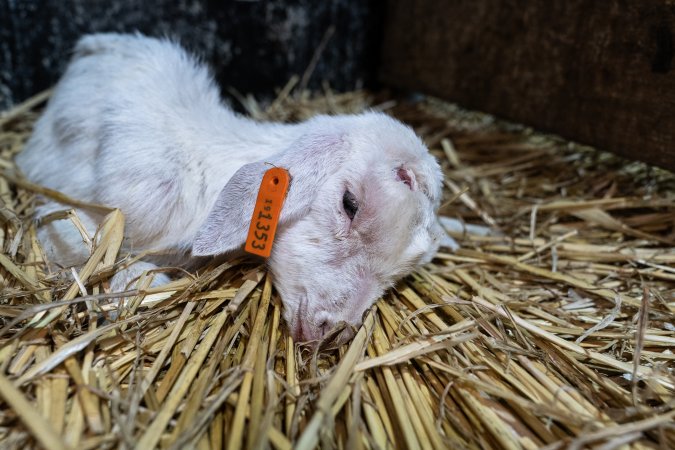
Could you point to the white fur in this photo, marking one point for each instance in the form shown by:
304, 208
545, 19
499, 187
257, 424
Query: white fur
138, 124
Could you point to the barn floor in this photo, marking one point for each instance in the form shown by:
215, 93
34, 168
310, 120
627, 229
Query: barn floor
557, 331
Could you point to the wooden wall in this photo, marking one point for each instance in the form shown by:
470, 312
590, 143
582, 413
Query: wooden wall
599, 72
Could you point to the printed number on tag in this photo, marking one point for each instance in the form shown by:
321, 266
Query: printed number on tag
266, 212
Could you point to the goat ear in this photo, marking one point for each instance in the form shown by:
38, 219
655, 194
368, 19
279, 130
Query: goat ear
310, 161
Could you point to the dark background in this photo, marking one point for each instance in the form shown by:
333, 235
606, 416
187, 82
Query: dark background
600, 73
253, 46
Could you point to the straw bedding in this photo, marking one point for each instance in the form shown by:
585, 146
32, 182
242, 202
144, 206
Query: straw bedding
556, 332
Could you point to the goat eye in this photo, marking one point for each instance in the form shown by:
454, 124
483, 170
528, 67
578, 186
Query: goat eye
350, 205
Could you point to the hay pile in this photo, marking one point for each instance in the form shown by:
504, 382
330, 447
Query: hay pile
558, 333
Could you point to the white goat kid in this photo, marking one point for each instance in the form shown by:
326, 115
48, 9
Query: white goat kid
138, 124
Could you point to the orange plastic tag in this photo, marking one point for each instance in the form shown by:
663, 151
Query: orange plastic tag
266, 213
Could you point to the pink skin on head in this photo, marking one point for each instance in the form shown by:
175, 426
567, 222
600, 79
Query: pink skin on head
345, 265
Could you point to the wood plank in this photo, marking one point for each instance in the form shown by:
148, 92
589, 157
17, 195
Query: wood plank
600, 73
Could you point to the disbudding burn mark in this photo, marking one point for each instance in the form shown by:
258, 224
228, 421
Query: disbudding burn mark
407, 177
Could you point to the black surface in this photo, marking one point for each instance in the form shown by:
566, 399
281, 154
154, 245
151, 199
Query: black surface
253, 46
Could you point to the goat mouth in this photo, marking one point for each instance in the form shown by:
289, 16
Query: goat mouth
298, 332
